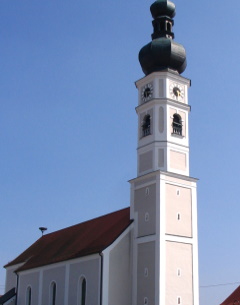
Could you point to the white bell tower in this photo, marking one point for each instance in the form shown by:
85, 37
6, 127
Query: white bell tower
163, 196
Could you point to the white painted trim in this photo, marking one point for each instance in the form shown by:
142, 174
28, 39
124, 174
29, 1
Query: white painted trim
67, 272
106, 254
99, 279
14, 267
143, 184
145, 239
164, 175
162, 101
51, 291
105, 278
29, 288
79, 288
179, 239
195, 249
162, 244
134, 259
40, 287
120, 237
157, 243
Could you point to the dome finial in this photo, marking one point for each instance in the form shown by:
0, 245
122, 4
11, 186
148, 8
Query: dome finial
162, 12
162, 53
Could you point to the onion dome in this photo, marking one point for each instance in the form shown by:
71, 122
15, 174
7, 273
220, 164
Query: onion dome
162, 53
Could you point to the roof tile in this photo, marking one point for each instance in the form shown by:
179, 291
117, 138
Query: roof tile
233, 298
83, 239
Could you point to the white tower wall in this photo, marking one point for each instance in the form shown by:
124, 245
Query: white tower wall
163, 197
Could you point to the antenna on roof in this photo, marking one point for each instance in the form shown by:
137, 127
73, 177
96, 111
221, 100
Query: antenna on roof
42, 229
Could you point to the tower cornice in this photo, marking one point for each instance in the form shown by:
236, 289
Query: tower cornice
163, 173
163, 74
163, 101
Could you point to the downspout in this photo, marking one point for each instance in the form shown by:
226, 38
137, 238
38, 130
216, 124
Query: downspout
16, 288
101, 278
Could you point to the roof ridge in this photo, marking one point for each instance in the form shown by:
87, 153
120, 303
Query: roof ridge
84, 222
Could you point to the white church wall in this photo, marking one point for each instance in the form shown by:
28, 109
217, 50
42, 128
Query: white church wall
28, 280
11, 277
90, 269
57, 275
117, 271
67, 277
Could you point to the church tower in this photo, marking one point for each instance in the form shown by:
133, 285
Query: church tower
163, 196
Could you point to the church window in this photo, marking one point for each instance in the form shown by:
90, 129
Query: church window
146, 217
82, 291
53, 293
177, 124
178, 216
179, 300
29, 296
162, 25
145, 301
146, 126
179, 272
147, 191
169, 26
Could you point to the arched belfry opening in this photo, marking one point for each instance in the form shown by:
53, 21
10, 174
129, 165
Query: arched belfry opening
146, 126
177, 124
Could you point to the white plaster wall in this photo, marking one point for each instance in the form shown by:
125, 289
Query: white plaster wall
56, 274
145, 207
120, 270
146, 273
179, 273
90, 269
11, 278
178, 210
25, 281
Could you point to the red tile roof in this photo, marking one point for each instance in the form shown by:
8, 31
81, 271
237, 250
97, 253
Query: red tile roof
83, 239
233, 299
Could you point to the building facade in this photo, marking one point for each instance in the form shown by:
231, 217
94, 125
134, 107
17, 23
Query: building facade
146, 254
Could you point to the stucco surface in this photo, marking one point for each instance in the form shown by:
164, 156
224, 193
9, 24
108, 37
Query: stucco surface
90, 270
179, 257
145, 202
178, 202
25, 281
120, 279
146, 273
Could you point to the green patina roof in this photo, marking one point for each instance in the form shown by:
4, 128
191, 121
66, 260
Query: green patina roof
162, 7
162, 52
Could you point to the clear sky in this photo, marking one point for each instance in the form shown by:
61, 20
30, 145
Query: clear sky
68, 128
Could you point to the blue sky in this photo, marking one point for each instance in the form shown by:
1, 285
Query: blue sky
68, 127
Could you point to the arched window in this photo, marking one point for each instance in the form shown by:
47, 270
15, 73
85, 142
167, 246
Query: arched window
82, 291
162, 25
177, 124
169, 27
29, 296
53, 293
146, 126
